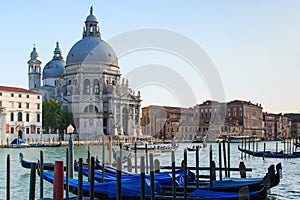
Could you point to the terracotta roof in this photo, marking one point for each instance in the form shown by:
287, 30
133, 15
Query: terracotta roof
16, 89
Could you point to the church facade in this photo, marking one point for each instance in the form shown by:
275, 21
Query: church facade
89, 85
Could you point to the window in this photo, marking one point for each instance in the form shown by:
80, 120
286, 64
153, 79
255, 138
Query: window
38, 97
86, 86
38, 106
19, 116
12, 117
96, 87
0, 93
241, 112
19, 105
27, 105
12, 130
234, 112
38, 117
27, 96
27, 130
27, 117
0, 103
12, 94
38, 130
20, 95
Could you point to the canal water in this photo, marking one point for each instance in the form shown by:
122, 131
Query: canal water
289, 187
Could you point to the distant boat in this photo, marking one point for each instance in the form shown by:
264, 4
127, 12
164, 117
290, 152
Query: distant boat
241, 138
18, 143
45, 145
270, 154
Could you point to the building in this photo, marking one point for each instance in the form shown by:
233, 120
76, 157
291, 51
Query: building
269, 126
244, 118
210, 119
20, 115
166, 122
294, 125
89, 85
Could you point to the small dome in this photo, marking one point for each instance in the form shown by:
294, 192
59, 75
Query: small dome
34, 54
92, 50
91, 17
54, 69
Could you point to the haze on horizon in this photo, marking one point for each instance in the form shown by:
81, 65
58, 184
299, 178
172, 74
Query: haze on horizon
255, 46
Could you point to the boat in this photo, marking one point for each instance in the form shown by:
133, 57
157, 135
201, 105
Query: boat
270, 154
164, 178
229, 184
260, 194
47, 166
107, 190
45, 145
27, 164
18, 143
241, 138
194, 148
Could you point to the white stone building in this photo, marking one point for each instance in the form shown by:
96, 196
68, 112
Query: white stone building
89, 85
20, 114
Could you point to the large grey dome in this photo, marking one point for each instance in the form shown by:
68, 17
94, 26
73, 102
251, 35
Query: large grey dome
55, 68
91, 48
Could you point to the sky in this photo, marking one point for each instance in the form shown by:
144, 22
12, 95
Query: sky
254, 46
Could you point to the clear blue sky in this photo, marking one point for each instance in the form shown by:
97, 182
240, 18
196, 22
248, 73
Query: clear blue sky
255, 45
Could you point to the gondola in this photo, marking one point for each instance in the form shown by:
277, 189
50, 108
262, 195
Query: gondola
271, 179
194, 148
107, 190
164, 178
260, 194
27, 164
270, 154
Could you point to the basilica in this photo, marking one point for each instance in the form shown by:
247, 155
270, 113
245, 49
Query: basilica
89, 85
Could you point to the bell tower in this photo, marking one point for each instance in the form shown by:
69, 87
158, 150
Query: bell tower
34, 70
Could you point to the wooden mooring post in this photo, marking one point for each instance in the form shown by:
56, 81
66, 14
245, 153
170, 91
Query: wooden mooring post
225, 161
185, 174
210, 168
32, 182
8, 177
197, 167
119, 178
228, 152
92, 178
67, 172
103, 158
220, 162
173, 175
142, 176
135, 158
41, 167
80, 179
151, 177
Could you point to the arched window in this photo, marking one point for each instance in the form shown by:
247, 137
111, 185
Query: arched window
27, 117
96, 87
86, 86
12, 117
91, 108
125, 121
19, 116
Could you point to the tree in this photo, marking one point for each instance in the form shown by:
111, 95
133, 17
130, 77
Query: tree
52, 114
67, 119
